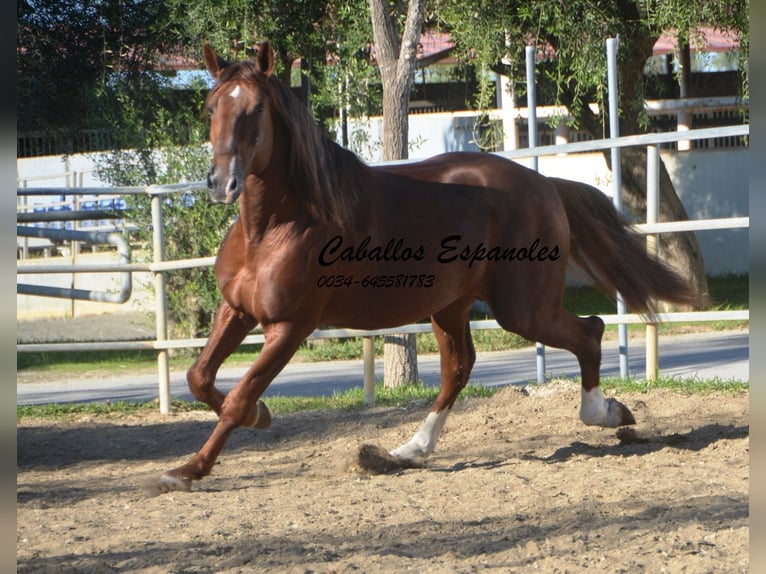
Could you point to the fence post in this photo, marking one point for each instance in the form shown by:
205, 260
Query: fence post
24, 204
530, 52
368, 354
652, 215
161, 306
614, 132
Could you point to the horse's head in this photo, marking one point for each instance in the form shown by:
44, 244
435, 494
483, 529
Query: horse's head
241, 121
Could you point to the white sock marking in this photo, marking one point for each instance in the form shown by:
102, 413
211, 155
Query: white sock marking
593, 407
424, 442
596, 410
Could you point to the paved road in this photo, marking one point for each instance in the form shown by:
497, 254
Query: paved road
703, 355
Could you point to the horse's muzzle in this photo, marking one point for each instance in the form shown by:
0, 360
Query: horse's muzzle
225, 189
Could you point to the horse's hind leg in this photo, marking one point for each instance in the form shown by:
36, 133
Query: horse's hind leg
594, 408
229, 329
582, 337
457, 358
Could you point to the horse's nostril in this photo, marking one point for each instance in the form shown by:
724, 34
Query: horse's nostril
231, 185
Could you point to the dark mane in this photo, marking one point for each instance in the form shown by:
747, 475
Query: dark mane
327, 179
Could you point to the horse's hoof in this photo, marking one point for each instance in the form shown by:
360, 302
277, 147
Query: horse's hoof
619, 414
626, 416
171, 483
260, 418
376, 460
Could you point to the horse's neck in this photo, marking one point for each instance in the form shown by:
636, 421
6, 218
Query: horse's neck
264, 205
269, 201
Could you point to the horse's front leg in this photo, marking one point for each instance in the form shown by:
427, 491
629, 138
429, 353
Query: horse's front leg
241, 406
457, 358
230, 327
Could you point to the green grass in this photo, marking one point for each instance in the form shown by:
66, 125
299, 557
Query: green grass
726, 292
64, 410
85, 361
729, 292
680, 385
354, 398
351, 399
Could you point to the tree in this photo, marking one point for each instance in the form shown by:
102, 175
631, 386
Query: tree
396, 47
102, 64
193, 226
307, 31
496, 33
68, 55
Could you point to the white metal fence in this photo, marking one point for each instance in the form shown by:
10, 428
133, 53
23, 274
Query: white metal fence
159, 267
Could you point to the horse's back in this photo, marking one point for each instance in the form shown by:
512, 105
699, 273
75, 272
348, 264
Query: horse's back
508, 190
475, 168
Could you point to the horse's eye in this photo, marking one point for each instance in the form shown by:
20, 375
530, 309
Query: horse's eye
259, 108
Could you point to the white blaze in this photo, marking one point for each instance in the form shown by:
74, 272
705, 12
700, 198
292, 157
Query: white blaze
235, 92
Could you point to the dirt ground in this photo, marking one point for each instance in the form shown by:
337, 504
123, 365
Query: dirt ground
517, 484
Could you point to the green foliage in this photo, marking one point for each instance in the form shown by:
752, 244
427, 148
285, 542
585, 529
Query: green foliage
228, 25
70, 53
309, 30
729, 291
193, 227
494, 34
352, 84
66, 410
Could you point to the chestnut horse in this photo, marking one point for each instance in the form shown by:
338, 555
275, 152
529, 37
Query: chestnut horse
322, 238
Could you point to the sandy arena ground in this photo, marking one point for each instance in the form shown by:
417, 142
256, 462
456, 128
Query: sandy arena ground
517, 484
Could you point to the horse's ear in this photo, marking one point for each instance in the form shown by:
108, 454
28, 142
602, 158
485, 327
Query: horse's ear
265, 59
213, 62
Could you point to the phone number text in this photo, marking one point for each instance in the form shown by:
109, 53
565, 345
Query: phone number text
376, 281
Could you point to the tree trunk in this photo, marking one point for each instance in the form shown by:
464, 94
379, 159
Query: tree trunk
397, 56
395, 122
400, 360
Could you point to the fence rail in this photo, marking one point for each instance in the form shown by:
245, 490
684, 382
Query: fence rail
158, 267
257, 339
